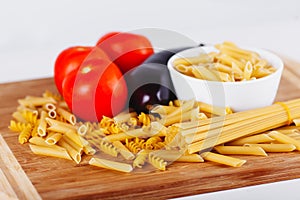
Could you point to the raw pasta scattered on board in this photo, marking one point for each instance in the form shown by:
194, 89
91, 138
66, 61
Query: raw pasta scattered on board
183, 131
230, 64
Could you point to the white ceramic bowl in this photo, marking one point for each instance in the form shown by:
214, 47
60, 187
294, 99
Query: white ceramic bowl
239, 96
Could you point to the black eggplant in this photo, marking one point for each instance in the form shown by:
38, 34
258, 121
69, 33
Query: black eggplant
150, 83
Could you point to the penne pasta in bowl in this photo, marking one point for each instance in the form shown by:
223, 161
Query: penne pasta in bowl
227, 75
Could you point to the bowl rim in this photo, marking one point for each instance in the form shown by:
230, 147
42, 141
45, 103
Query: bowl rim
257, 50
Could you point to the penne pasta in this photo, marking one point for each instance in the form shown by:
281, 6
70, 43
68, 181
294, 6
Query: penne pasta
128, 155
112, 165
49, 106
49, 151
241, 150
202, 58
296, 122
123, 117
216, 110
30, 101
248, 69
53, 138
260, 138
88, 150
41, 130
229, 64
284, 139
225, 160
173, 155
274, 147
66, 115
75, 154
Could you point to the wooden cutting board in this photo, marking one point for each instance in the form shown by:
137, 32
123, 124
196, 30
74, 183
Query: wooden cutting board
53, 178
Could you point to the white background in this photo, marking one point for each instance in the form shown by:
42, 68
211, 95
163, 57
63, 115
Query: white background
33, 32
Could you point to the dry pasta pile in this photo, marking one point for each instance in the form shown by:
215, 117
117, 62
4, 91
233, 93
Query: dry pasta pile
183, 131
49, 127
230, 64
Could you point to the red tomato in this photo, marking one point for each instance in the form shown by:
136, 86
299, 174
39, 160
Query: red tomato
127, 50
106, 36
96, 89
70, 59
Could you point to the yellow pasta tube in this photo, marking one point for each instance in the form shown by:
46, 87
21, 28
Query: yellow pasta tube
274, 147
284, 139
88, 150
202, 58
224, 77
52, 114
53, 138
49, 106
75, 155
202, 72
66, 115
78, 148
260, 64
261, 72
127, 135
64, 128
163, 110
123, 150
36, 101
49, 151
185, 116
241, 150
112, 165
226, 160
82, 129
216, 110
123, 117
173, 155
248, 71
228, 60
187, 70
41, 142
296, 121
260, 138
237, 72
41, 130
222, 68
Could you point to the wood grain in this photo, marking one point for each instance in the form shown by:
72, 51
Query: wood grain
56, 178
18, 179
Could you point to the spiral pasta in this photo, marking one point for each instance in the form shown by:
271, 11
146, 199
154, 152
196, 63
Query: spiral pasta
29, 116
25, 134
132, 146
150, 143
140, 159
17, 126
159, 145
144, 119
133, 122
106, 147
157, 162
114, 129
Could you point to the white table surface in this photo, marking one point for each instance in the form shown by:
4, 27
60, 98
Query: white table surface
32, 33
